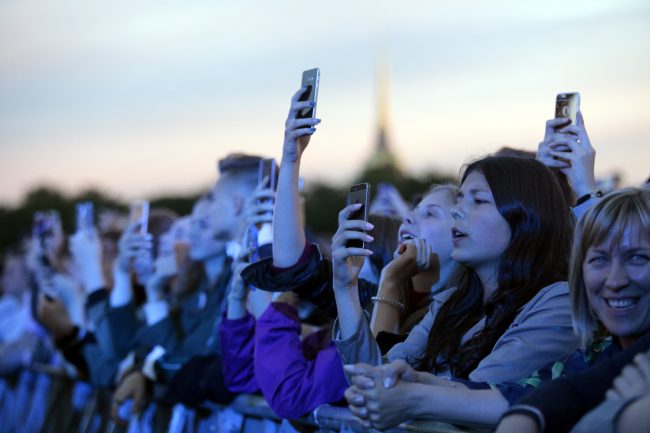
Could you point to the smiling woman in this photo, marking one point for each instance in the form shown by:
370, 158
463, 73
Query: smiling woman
611, 270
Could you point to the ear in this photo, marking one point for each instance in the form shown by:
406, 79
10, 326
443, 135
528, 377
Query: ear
238, 203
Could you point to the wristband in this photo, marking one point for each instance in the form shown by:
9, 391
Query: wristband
399, 305
583, 199
531, 411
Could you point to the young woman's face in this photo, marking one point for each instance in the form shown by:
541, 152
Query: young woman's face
431, 220
480, 234
617, 280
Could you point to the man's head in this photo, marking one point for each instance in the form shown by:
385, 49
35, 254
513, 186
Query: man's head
217, 217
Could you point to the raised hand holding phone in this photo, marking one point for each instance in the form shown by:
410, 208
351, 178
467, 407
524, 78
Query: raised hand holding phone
348, 243
566, 145
301, 121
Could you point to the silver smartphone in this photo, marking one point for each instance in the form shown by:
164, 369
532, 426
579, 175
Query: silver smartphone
567, 105
310, 79
359, 193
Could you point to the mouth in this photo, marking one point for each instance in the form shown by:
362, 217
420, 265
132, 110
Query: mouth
406, 236
621, 304
457, 234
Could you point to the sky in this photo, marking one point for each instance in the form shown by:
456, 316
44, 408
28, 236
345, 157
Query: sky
141, 99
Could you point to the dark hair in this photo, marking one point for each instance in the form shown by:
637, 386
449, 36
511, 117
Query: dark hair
385, 243
529, 198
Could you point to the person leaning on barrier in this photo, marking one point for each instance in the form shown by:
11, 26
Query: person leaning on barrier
181, 371
510, 211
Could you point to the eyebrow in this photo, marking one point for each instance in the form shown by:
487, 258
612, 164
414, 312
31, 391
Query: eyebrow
473, 191
430, 205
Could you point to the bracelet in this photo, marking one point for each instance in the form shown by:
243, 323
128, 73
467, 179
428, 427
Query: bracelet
598, 193
399, 305
531, 411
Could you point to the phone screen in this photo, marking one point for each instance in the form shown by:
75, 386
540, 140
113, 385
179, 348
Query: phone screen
139, 214
85, 216
567, 105
310, 79
359, 193
267, 168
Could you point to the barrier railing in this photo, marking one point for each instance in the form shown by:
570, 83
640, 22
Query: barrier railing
46, 400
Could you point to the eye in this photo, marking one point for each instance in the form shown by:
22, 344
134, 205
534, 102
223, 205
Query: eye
639, 259
480, 201
597, 260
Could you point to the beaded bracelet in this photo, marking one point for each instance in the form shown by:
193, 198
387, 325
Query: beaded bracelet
399, 305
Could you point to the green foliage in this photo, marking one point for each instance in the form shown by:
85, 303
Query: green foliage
324, 202
16, 223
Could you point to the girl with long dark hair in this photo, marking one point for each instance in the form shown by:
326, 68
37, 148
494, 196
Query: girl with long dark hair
510, 313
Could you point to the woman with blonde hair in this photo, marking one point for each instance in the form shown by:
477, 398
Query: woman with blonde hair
610, 294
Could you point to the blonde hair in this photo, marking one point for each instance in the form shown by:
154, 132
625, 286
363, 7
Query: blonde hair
607, 219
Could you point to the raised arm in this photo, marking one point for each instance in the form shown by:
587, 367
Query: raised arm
288, 227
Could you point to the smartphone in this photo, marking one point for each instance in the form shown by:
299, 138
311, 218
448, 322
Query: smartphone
267, 168
359, 193
310, 79
567, 105
43, 228
85, 216
139, 214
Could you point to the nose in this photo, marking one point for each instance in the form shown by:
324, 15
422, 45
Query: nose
617, 277
408, 219
456, 212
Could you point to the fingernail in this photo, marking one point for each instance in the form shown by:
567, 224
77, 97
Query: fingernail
358, 400
370, 226
318, 120
312, 104
387, 382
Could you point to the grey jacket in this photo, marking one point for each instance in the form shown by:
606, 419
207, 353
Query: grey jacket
540, 333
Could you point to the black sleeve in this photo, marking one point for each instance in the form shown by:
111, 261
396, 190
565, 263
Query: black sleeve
199, 380
310, 279
565, 400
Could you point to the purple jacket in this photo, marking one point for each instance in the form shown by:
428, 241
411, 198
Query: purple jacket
294, 376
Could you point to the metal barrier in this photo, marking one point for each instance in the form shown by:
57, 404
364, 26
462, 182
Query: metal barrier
46, 400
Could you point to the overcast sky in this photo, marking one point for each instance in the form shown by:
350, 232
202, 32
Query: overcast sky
142, 98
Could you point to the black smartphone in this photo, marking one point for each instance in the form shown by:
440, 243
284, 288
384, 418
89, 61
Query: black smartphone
567, 105
310, 79
359, 193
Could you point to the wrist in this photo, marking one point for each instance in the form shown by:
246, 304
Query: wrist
93, 279
582, 188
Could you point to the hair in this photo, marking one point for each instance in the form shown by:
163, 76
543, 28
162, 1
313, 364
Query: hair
529, 198
607, 219
385, 233
239, 170
160, 221
415, 311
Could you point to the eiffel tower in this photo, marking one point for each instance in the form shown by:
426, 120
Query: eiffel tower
383, 161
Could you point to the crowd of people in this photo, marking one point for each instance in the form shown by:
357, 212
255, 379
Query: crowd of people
517, 298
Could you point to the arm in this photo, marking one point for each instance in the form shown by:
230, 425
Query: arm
237, 350
288, 230
560, 403
346, 265
568, 149
384, 407
292, 384
410, 259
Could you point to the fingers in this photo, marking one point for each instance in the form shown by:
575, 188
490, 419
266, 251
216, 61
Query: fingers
353, 397
362, 382
552, 124
345, 213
